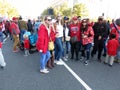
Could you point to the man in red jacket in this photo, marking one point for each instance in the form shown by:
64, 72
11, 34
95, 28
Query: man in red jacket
42, 43
15, 32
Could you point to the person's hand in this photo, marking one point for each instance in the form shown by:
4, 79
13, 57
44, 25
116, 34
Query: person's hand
99, 38
85, 36
41, 51
17, 35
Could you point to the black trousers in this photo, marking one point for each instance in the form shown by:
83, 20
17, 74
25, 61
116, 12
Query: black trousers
75, 48
98, 46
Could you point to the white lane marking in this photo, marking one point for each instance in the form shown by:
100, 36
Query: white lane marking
76, 76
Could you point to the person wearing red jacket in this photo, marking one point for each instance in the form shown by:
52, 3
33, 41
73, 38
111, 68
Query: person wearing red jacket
15, 32
2, 61
112, 47
75, 35
115, 29
26, 45
50, 63
42, 43
87, 39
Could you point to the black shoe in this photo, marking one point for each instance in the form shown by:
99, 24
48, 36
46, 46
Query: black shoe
2, 67
86, 62
104, 54
105, 63
110, 65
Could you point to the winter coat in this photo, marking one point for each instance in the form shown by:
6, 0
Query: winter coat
26, 44
112, 47
90, 36
43, 39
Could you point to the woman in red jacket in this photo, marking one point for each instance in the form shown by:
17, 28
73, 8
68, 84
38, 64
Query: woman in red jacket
87, 39
42, 43
50, 62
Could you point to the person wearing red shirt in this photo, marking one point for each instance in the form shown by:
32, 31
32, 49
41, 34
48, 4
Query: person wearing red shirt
26, 45
2, 61
112, 47
42, 43
15, 32
75, 35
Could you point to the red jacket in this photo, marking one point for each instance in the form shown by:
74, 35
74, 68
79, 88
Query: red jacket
0, 44
43, 39
14, 28
90, 36
112, 47
113, 30
26, 44
52, 35
75, 31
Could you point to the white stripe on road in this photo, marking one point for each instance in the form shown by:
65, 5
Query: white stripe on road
76, 76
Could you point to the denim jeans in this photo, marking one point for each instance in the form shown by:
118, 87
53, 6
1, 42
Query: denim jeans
66, 48
87, 48
58, 48
22, 32
44, 57
104, 46
1, 36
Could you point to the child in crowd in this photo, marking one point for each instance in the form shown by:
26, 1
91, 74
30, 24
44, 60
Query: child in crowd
112, 47
26, 45
2, 62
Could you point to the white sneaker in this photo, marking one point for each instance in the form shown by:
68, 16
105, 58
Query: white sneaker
59, 63
44, 71
65, 59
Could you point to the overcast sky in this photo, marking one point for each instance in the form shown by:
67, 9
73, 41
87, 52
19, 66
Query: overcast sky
35, 7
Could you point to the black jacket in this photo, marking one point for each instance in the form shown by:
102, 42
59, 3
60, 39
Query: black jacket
100, 30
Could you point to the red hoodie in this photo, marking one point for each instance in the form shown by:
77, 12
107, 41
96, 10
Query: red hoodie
75, 31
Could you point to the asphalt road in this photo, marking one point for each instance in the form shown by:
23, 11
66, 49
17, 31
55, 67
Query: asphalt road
22, 73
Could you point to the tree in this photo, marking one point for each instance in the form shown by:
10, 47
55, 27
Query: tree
7, 9
80, 10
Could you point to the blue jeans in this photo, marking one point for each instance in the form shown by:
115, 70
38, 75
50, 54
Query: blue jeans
87, 48
66, 48
44, 57
1, 36
104, 46
22, 32
58, 48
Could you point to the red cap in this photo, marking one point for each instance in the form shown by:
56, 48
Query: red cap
14, 18
74, 18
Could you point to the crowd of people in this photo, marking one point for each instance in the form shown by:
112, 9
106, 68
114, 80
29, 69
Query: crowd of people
62, 37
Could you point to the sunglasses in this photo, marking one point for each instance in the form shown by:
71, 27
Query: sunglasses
49, 19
